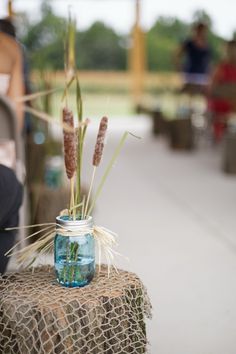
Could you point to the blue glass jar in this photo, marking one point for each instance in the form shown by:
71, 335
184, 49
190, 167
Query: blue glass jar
74, 252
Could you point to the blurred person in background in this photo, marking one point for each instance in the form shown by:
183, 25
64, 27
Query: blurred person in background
7, 27
12, 86
11, 73
221, 108
193, 59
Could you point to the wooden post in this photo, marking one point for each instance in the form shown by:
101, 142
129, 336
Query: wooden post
10, 9
137, 58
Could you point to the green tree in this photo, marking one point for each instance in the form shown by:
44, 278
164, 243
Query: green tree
162, 40
44, 40
100, 48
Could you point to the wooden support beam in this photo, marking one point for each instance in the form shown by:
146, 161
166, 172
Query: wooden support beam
137, 62
10, 9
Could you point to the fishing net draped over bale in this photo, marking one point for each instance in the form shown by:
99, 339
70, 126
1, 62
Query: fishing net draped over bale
39, 316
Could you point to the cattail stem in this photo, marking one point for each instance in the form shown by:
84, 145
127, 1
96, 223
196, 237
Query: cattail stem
77, 206
79, 164
83, 208
72, 198
66, 97
81, 132
90, 190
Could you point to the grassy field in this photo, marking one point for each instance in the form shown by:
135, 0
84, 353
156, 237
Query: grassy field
110, 93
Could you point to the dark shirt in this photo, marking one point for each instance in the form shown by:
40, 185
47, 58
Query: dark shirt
197, 59
10, 197
11, 193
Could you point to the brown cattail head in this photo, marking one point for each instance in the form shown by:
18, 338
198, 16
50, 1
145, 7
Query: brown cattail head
100, 142
69, 143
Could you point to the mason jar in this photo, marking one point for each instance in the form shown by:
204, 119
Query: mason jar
74, 252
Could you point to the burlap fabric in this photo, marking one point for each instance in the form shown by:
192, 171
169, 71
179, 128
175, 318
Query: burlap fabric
39, 316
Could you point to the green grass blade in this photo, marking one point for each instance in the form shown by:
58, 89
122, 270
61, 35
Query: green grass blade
79, 102
67, 87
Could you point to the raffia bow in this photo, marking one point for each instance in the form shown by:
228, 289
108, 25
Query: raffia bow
106, 241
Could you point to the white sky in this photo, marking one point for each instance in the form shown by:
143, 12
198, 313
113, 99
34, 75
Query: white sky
120, 13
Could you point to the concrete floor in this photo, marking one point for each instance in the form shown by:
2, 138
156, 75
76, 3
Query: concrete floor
175, 216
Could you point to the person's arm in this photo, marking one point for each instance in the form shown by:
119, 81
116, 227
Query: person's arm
16, 87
